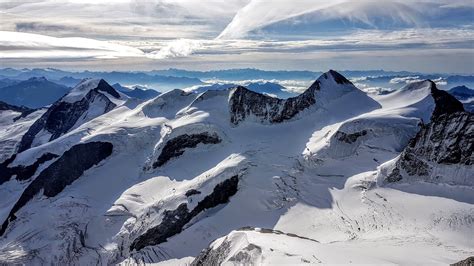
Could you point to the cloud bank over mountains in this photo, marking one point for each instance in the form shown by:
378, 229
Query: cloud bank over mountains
203, 33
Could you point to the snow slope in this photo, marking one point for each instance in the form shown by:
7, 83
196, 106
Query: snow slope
274, 181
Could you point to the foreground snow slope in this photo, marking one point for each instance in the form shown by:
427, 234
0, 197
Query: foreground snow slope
166, 177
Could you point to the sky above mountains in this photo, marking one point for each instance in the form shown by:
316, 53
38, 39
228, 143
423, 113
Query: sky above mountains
414, 35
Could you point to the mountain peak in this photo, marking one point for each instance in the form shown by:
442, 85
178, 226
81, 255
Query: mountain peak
445, 103
330, 79
462, 90
39, 79
337, 77
86, 85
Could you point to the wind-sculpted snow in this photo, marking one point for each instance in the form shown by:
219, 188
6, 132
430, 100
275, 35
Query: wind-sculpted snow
70, 166
85, 102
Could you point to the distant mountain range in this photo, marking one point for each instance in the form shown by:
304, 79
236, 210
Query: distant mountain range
34, 92
16, 85
464, 95
137, 91
268, 88
67, 78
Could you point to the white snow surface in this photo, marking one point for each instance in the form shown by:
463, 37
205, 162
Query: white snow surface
11, 131
295, 177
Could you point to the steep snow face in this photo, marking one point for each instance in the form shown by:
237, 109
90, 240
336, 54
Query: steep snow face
89, 99
413, 100
13, 125
216, 177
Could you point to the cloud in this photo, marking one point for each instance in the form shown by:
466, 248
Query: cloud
411, 79
410, 13
40, 26
17, 45
120, 19
298, 34
176, 48
27, 45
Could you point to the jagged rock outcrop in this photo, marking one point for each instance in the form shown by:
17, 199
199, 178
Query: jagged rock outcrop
22, 172
467, 262
175, 147
173, 221
23, 110
61, 173
349, 138
447, 140
20, 109
445, 103
246, 104
65, 113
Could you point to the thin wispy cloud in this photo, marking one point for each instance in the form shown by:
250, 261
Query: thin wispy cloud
236, 30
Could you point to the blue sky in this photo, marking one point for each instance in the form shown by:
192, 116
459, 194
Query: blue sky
414, 35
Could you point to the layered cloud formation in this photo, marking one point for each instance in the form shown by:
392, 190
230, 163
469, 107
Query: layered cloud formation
334, 34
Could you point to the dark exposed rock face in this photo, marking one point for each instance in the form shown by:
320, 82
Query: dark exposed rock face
213, 257
191, 192
174, 220
244, 103
448, 139
175, 147
445, 102
6, 106
25, 111
349, 138
22, 172
340, 79
61, 173
62, 116
467, 262
105, 87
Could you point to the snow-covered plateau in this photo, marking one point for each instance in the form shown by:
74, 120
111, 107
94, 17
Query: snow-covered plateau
232, 176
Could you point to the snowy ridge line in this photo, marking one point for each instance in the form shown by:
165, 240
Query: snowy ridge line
302, 169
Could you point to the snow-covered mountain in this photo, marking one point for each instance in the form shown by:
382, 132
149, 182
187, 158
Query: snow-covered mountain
88, 100
137, 91
102, 179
